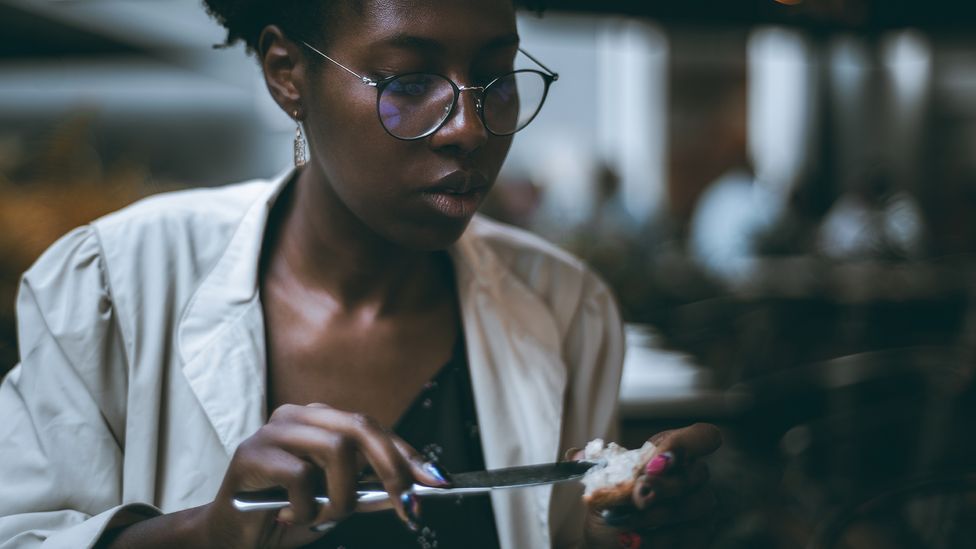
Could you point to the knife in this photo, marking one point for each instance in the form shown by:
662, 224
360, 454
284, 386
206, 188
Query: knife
372, 497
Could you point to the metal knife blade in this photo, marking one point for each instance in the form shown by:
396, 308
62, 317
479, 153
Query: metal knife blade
372, 497
524, 475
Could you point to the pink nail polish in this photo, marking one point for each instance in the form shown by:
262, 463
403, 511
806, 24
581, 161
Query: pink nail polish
659, 464
629, 540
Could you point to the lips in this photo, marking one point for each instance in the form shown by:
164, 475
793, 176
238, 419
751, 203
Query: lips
458, 194
459, 182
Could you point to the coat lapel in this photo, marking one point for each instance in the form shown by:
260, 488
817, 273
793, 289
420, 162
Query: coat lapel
519, 379
221, 333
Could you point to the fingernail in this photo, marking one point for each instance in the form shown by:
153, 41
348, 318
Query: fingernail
411, 506
436, 471
629, 540
659, 464
324, 527
615, 516
648, 498
286, 516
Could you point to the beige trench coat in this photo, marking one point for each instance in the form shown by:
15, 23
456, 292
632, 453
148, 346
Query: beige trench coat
143, 366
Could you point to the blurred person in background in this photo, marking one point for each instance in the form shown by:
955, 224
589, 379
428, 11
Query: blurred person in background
351, 319
873, 220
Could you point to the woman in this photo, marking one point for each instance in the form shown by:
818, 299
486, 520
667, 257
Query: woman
294, 333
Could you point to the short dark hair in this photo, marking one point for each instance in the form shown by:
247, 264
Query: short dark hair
245, 19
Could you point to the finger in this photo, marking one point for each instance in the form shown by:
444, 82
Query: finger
393, 469
661, 514
340, 475
372, 441
271, 466
629, 540
574, 454
327, 434
425, 471
660, 464
302, 481
376, 445
690, 442
692, 507
687, 479
331, 453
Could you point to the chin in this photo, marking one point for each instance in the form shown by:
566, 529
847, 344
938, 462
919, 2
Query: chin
430, 237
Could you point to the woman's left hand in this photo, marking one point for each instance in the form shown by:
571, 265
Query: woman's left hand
670, 499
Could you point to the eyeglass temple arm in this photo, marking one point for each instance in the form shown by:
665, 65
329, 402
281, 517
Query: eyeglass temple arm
365, 79
369, 81
555, 76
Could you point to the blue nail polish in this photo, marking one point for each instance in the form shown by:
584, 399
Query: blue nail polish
438, 472
615, 516
411, 506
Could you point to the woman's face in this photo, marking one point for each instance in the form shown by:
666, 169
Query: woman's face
418, 194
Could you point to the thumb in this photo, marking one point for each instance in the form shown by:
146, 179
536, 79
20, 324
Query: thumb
691, 442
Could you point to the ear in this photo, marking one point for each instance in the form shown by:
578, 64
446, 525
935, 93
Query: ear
284, 68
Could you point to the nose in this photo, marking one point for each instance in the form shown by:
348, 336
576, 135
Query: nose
464, 132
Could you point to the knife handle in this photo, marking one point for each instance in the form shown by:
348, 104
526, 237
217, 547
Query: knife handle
366, 500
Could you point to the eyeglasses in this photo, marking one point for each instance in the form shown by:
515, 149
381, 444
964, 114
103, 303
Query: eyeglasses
415, 105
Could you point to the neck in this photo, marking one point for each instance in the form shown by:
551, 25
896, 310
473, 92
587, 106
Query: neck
315, 241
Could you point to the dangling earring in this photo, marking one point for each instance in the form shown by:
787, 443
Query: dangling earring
300, 157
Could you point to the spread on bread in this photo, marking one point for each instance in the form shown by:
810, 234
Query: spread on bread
611, 484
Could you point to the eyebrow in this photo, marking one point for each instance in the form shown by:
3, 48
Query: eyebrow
420, 43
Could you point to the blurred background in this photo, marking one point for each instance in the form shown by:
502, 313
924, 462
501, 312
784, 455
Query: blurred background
781, 192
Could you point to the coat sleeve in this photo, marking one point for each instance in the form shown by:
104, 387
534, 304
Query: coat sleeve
62, 409
594, 354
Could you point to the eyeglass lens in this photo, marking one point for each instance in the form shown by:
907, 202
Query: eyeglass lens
415, 105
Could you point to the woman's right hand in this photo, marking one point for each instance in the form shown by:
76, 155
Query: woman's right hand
308, 449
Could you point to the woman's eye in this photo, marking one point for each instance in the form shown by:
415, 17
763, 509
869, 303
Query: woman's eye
415, 88
413, 85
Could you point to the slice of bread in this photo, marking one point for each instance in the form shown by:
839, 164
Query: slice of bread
611, 484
